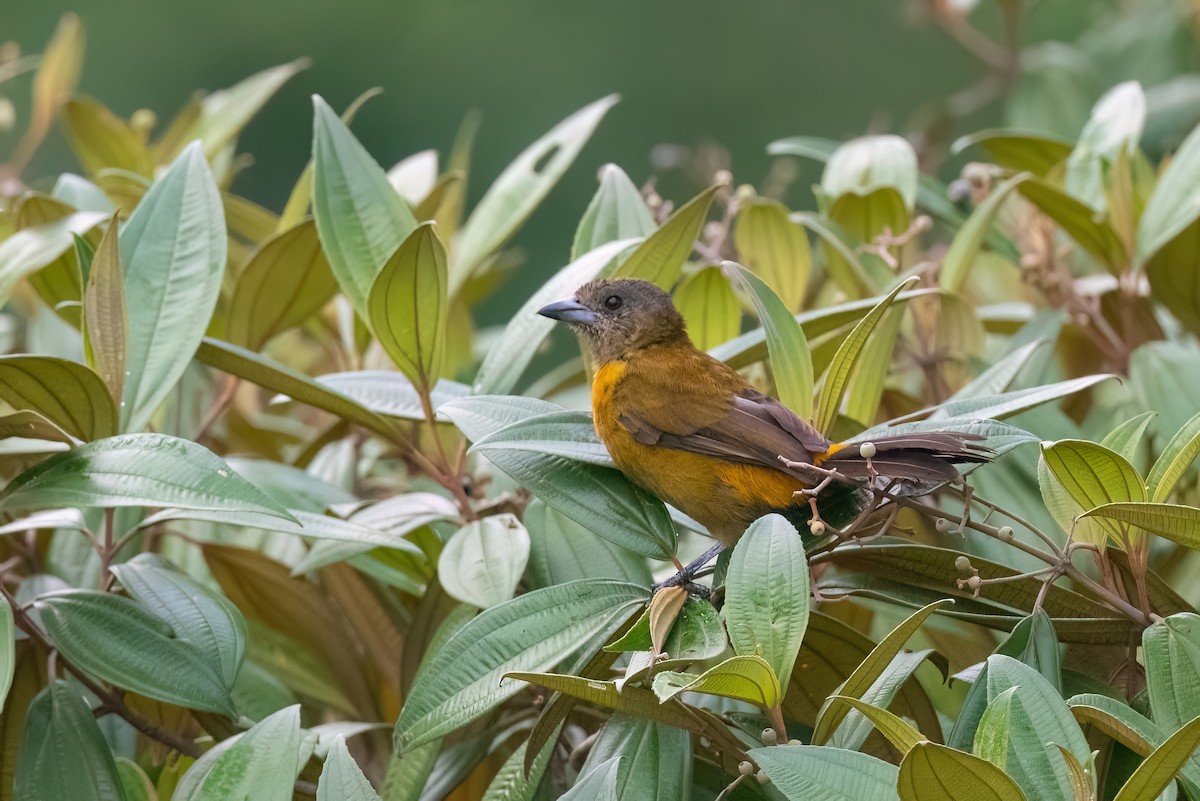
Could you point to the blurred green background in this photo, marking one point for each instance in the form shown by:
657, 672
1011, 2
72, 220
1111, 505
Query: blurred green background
737, 74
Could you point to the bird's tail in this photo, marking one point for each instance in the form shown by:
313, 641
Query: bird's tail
919, 458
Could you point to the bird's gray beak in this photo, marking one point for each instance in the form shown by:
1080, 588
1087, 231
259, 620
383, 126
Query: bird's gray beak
568, 311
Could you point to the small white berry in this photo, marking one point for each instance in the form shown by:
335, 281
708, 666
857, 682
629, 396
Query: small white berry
762, 777
975, 582
942, 524
1005, 532
746, 768
963, 565
867, 450
769, 736
816, 527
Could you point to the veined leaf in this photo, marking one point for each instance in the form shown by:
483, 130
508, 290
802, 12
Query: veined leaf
561, 550
483, 561
360, 218
1175, 203
567, 434
533, 632
617, 211
791, 362
708, 305
1006, 404
655, 759
63, 753
1093, 475
1171, 650
745, 678
408, 304
261, 763
659, 259
66, 393
960, 257
1159, 769
341, 778
598, 784
389, 393
31, 249
1176, 457
774, 248
834, 387
173, 254
767, 596
105, 318
899, 733
1125, 438
1021, 151
853, 731
932, 772
810, 772
518, 190
286, 281
137, 470
479, 416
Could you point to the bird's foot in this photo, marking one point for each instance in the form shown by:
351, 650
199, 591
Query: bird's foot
686, 575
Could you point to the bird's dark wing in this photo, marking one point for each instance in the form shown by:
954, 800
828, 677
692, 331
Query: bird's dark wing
756, 429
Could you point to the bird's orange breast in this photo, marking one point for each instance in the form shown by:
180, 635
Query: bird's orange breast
722, 495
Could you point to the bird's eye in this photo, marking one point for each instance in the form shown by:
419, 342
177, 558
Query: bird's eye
613, 302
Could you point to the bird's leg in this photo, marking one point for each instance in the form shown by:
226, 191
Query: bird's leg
684, 578
824, 478
968, 494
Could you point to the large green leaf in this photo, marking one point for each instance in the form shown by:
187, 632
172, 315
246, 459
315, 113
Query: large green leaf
709, 307
533, 632
820, 773
286, 281
173, 253
617, 211
655, 759
66, 393
1176, 457
766, 594
1159, 769
774, 248
360, 218
389, 393
561, 550
1178, 523
791, 362
898, 732
598, 784
852, 732
743, 678
260, 764
833, 388
483, 561
341, 778
31, 249
137, 470
408, 304
567, 434
1175, 203
1171, 650
1092, 475
8, 649
932, 772
518, 190
507, 359
660, 258
63, 753
599, 498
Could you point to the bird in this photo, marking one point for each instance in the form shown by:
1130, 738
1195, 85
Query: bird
695, 433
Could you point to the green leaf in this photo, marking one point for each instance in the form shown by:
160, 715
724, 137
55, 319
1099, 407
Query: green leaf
865, 392
1159, 769
223, 114
1020, 151
864, 165
996, 378
408, 304
483, 561
261, 764
1115, 125
63, 753
1125, 438
774, 248
389, 393
617, 211
479, 416
30, 249
960, 256
507, 359
1176, 457
134, 781
102, 140
1079, 221
122, 641
562, 550
745, 678
898, 732
791, 362
659, 259
31, 425
834, 387
820, 773
8, 649
360, 218
932, 772
105, 318
841, 253
533, 632
1038, 717
709, 307
286, 281
341, 778
853, 731
66, 393
871, 668
1175, 202
173, 253
562, 433
1172, 274
266, 372
599, 498
1006, 404
512, 783
599, 784
655, 759
766, 594
1093, 475
136, 470
518, 190
1171, 651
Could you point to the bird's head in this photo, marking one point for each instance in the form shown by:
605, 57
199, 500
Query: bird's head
618, 316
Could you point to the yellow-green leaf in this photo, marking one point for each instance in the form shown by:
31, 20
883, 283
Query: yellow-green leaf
103, 141
709, 307
67, 393
1173, 462
1160, 768
1078, 221
1093, 475
407, 306
774, 248
106, 324
898, 732
960, 256
745, 678
1175, 522
932, 772
660, 258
